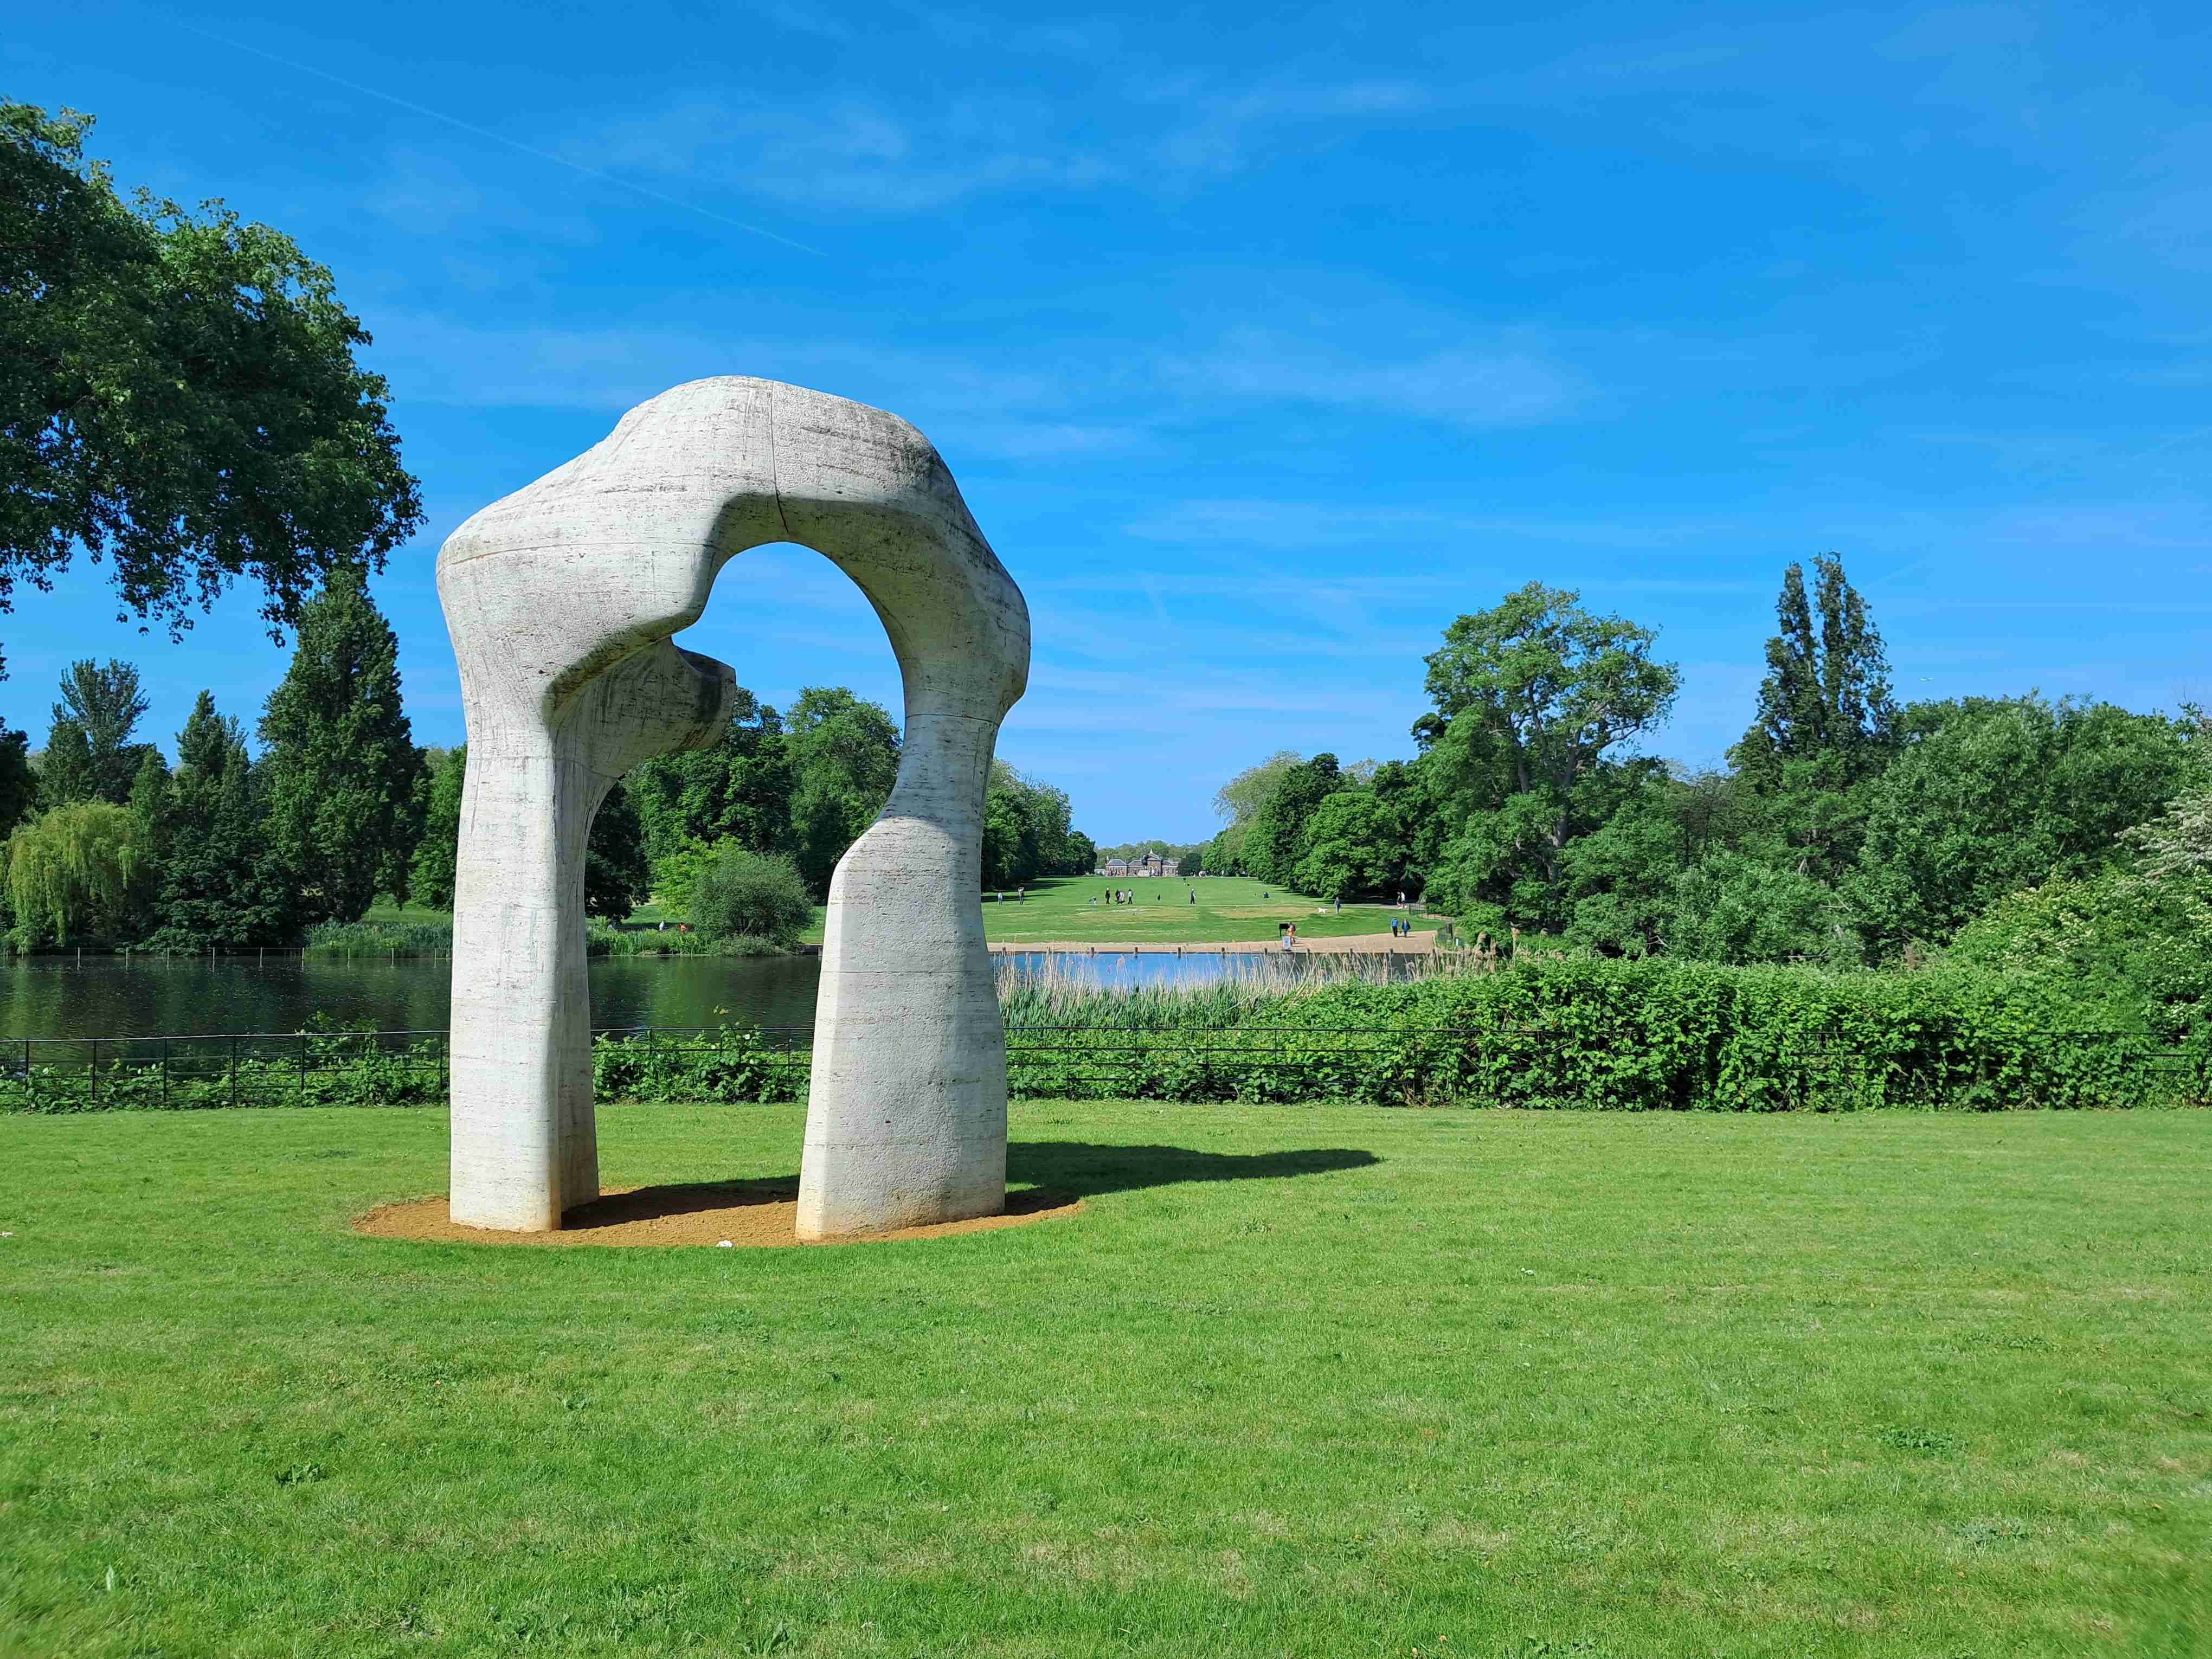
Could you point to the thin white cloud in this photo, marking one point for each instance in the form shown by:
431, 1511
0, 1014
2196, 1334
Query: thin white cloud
851, 155
1224, 129
1507, 380
1292, 525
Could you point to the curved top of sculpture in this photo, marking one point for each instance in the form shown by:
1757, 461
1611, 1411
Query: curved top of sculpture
610, 554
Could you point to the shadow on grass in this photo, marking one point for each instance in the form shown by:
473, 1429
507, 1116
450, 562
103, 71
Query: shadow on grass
1060, 1170
1084, 1168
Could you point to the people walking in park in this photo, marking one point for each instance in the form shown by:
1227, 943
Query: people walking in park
1021, 896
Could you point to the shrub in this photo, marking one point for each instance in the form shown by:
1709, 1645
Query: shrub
746, 893
1651, 1036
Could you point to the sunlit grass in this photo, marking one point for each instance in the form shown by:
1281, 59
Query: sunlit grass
1231, 909
1299, 1381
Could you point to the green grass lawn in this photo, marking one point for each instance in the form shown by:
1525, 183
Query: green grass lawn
387, 908
1298, 1383
1231, 909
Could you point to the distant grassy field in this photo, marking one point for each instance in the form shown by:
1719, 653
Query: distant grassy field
1229, 910
1299, 1381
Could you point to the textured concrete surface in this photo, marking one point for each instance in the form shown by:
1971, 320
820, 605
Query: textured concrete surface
560, 599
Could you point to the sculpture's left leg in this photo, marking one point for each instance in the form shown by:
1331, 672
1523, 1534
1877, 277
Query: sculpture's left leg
525, 1145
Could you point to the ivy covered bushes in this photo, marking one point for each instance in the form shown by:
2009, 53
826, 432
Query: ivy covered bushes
1654, 1035
1651, 1036
1549, 1033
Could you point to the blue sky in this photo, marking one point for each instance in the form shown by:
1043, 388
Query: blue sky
1263, 345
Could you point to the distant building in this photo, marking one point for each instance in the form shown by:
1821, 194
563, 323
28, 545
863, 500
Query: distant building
1145, 864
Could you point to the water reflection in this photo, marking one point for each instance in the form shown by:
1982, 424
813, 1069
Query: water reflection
47, 997
55, 997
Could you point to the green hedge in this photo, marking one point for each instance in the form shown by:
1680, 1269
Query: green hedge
1642, 1036
1611, 1035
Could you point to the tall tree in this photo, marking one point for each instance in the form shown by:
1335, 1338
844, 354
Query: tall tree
1826, 689
341, 756
739, 790
66, 773
91, 756
1530, 699
844, 758
1027, 833
177, 394
1354, 844
1277, 837
617, 876
220, 886
1239, 801
437, 849
19, 784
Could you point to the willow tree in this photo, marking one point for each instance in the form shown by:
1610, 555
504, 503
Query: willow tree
77, 872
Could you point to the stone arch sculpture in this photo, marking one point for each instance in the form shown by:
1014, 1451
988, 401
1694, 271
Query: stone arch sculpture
560, 599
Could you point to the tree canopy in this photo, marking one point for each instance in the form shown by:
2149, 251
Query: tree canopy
342, 762
1826, 689
1529, 700
90, 754
178, 395
844, 756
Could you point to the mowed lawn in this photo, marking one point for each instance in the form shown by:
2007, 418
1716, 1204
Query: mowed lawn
1297, 1382
1231, 909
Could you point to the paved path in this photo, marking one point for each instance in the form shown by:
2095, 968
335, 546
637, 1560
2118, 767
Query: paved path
1369, 944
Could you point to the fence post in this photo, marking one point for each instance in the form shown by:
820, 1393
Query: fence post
164, 1074
93, 1075
300, 1099
234, 1071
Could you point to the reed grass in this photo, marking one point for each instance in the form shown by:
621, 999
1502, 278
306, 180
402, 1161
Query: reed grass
1255, 989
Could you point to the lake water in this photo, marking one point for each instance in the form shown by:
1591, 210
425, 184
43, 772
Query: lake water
53, 997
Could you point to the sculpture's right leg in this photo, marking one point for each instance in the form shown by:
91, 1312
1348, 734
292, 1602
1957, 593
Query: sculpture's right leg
906, 1115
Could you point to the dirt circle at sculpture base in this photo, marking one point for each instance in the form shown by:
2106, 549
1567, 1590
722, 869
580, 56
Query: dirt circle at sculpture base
742, 1214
